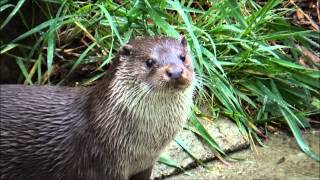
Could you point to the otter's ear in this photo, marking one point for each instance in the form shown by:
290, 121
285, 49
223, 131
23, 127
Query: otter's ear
125, 50
183, 40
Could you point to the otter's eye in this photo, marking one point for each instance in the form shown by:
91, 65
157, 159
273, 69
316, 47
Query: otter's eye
150, 63
183, 58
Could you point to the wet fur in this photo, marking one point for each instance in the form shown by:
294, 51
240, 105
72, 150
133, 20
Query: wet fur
114, 130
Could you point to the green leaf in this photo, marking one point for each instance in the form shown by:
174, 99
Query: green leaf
24, 70
291, 120
8, 47
13, 12
177, 6
165, 159
51, 46
202, 132
4, 7
39, 70
111, 23
41, 27
187, 149
236, 12
91, 80
260, 15
78, 61
167, 28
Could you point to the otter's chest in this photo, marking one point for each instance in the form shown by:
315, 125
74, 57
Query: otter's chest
156, 127
157, 122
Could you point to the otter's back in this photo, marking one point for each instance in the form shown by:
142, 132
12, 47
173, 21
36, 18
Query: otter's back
34, 122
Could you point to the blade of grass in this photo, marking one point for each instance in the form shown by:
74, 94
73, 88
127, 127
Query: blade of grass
78, 61
13, 12
165, 159
202, 132
4, 7
111, 22
291, 118
177, 6
51, 46
183, 145
32, 71
167, 28
260, 15
42, 26
39, 70
91, 80
236, 12
24, 70
3, 2
8, 47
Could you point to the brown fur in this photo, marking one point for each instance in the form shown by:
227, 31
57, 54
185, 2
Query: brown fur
114, 130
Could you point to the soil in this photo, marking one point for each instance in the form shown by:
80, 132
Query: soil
280, 158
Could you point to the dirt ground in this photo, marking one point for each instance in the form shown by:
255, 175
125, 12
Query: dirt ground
279, 159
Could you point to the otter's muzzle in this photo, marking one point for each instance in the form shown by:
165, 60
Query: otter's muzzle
174, 72
177, 76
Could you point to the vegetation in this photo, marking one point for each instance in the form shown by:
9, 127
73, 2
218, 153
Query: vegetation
245, 53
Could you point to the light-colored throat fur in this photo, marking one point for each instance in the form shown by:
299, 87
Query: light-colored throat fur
149, 118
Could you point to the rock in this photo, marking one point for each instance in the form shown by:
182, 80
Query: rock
223, 131
279, 158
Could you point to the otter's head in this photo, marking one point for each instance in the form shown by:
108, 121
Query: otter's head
157, 63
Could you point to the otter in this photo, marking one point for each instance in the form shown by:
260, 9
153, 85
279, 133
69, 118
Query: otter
114, 130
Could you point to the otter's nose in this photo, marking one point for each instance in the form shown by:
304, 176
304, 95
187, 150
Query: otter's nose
174, 72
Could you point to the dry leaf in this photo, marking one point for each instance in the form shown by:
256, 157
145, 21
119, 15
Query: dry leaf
310, 55
300, 15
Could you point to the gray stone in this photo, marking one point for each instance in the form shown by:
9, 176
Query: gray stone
223, 131
280, 158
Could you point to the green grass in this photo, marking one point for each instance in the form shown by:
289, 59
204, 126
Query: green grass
245, 55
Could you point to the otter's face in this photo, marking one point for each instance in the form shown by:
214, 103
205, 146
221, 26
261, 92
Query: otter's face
162, 63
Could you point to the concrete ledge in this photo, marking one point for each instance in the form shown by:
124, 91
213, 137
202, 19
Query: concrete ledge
224, 132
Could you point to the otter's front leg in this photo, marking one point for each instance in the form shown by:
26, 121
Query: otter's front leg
143, 175
117, 175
